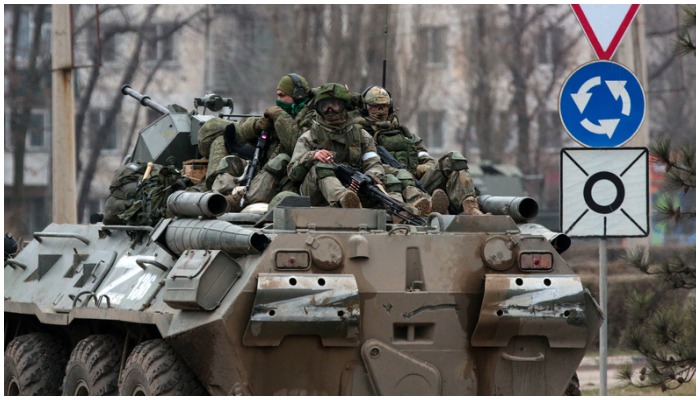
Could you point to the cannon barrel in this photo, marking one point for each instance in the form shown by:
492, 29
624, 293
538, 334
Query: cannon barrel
560, 241
193, 204
520, 209
185, 234
144, 100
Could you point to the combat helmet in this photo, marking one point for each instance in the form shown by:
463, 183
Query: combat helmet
331, 91
376, 95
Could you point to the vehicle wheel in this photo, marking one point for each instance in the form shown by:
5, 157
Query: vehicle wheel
574, 388
34, 365
154, 369
93, 368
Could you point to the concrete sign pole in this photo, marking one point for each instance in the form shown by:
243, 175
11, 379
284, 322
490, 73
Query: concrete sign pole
63, 170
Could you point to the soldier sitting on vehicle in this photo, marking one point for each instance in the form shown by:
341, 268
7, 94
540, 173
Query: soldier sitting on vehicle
446, 178
333, 138
281, 122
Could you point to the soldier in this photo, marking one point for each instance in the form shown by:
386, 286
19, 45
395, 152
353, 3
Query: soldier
281, 121
332, 138
448, 174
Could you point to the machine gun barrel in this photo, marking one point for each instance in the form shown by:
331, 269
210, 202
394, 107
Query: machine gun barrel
213, 234
144, 100
192, 204
521, 209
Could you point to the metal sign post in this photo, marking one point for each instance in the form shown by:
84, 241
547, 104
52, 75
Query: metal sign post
605, 193
598, 101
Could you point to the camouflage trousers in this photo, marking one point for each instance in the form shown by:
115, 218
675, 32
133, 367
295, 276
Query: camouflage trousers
451, 175
401, 185
327, 191
217, 165
265, 186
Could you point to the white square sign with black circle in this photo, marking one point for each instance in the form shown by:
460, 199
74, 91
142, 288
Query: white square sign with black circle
605, 192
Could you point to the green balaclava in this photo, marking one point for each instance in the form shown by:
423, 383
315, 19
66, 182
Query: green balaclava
299, 94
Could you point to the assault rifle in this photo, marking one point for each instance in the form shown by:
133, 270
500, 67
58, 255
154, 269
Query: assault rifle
388, 159
254, 164
362, 183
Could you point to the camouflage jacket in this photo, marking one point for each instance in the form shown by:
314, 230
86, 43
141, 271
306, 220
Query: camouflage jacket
350, 144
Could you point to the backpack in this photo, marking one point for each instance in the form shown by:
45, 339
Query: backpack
137, 201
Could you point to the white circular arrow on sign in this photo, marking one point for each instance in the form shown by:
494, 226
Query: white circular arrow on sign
582, 97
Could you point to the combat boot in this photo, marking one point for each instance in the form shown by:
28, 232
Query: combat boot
423, 206
440, 201
471, 207
349, 199
233, 200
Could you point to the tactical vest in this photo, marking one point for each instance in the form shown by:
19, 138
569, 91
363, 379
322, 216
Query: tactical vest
400, 146
346, 153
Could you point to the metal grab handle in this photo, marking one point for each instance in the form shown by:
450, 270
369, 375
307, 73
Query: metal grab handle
14, 264
126, 228
509, 357
39, 235
93, 296
143, 261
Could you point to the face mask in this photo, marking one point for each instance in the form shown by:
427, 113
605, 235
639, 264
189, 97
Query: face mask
379, 115
288, 107
333, 118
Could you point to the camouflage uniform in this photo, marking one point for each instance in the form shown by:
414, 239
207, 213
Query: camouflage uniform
284, 129
449, 173
349, 143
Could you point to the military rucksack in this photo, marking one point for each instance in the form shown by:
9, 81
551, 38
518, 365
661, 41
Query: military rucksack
134, 200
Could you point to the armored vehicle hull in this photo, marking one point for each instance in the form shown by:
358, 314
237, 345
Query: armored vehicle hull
317, 301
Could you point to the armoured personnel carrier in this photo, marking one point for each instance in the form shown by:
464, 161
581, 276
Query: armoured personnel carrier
300, 300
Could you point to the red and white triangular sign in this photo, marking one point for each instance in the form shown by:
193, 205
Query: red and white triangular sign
605, 25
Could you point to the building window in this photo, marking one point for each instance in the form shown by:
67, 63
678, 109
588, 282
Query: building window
39, 216
37, 130
549, 47
434, 43
430, 126
108, 47
161, 45
107, 134
8, 132
25, 30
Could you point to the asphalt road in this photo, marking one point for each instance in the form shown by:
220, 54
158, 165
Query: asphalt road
589, 371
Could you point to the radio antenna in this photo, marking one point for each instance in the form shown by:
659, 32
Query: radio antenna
386, 34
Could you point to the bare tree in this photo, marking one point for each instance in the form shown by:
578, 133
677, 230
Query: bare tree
481, 77
27, 88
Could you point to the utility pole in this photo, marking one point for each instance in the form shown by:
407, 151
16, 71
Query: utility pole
63, 170
632, 54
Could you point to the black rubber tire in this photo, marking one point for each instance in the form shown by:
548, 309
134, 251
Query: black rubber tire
93, 367
154, 369
574, 388
34, 365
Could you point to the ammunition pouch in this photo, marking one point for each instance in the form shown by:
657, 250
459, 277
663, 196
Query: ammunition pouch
277, 166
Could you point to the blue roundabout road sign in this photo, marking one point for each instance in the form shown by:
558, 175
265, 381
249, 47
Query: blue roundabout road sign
602, 104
